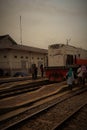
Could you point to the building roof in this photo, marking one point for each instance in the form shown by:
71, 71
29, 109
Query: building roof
6, 42
57, 46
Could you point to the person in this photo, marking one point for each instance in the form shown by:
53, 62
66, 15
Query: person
70, 78
84, 72
42, 70
35, 71
79, 75
32, 70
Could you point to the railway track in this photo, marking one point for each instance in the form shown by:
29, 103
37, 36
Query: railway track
11, 84
42, 107
14, 79
12, 89
77, 121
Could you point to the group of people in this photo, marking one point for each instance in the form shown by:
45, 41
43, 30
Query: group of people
81, 76
34, 70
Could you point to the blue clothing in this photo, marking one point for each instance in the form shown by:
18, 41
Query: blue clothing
70, 77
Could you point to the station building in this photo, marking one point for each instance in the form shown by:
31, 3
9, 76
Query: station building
19, 58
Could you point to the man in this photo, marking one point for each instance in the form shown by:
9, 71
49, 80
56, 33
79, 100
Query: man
81, 72
79, 75
42, 70
84, 71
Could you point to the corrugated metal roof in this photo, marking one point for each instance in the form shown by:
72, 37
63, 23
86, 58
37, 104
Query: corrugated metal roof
6, 42
4, 36
7, 37
56, 46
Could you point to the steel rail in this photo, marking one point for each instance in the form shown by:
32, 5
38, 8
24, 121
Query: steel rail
68, 117
22, 88
28, 114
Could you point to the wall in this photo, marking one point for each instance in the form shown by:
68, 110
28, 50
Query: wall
17, 60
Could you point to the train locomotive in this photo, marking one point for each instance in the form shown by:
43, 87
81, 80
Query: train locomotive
61, 57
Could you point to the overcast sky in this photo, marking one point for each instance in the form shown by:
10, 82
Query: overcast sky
45, 22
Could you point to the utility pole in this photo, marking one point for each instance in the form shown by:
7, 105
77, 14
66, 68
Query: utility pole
20, 30
67, 41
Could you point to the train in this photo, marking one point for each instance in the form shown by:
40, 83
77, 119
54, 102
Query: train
61, 57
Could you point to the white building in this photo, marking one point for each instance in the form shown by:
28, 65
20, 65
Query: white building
19, 58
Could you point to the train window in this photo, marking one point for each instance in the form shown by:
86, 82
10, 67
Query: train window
75, 59
5, 56
79, 55
69, 60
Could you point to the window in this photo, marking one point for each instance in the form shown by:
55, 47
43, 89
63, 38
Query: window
5, 56
69, 60
15, 56
21, 57
79, 55
26, 57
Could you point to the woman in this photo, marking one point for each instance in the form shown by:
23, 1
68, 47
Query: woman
70, 78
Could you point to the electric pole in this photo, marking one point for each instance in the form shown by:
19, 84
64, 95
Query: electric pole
20, 30
67, 41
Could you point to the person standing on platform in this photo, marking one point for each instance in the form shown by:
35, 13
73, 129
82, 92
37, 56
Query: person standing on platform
70, 78
32, 70
42, 70
84, 72
79, 75
35, 71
